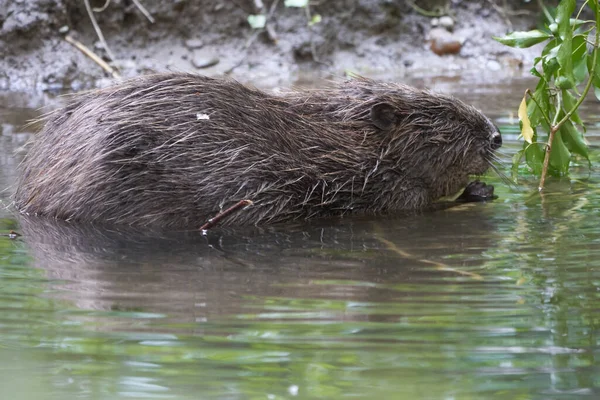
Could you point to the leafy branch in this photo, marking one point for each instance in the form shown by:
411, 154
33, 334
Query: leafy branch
564, 64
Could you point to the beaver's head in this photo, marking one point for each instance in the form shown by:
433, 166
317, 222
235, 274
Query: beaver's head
431, 139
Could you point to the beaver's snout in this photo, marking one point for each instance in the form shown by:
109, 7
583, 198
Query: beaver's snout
496, 140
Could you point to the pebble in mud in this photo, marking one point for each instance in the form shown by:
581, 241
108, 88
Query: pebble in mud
446, 22
194, 44
442, 42
204, 60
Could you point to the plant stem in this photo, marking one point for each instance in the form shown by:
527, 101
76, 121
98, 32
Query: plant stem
530, 93
556, 126
545, 10
581, 9
553, 131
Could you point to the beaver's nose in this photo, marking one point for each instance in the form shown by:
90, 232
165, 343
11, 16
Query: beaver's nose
496, 140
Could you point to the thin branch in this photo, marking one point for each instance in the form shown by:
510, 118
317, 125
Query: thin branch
223, 214
90, 12
12, 235
252, 38
101, 9
143, 10
556, 126
313, 47
558, 107
93, 56
137, 3
532, 97
581, 9
545, 11
503, 13
437, 13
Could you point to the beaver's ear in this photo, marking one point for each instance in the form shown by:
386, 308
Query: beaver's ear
383, 116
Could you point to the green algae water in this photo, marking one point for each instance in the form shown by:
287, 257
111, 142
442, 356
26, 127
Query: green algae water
483, 301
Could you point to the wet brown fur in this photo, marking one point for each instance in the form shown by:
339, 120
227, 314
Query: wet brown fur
140, 153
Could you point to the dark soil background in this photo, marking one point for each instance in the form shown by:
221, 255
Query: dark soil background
369, 37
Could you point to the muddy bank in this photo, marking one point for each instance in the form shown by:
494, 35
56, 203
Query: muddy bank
370, 37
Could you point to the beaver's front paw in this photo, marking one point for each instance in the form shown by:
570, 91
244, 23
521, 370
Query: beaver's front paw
477, 191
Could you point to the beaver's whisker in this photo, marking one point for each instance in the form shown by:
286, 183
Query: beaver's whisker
505, 179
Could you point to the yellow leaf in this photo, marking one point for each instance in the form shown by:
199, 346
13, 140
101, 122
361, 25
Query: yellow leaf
526, 129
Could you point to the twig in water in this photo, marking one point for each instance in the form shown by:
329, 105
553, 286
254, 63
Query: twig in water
12, 235
438, 265
93, 56
217, 218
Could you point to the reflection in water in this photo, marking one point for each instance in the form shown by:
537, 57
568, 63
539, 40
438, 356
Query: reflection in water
113, 269
284, 304
496, 300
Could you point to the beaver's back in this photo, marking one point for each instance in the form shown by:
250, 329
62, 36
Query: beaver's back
171, 150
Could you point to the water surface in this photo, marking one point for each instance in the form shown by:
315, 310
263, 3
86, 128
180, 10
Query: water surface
496, 300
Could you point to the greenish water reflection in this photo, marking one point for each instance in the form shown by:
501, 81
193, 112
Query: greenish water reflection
497, 300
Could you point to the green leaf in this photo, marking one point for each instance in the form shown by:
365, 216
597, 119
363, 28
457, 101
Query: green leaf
579, 58
597, 93
575, 23
257, 21
533, 71
563, 15
534, 156
296, 3
580, 69
516, 160
569, 101
590, 61
523, 39
315, 19
566, 79
560, 157
526, 130
551, 46
550, 62
541, 95
573, 139
565, 83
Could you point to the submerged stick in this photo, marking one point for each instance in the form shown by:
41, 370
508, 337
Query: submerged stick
217, 218
437, 265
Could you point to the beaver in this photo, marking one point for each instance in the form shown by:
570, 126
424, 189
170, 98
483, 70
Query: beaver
172, 149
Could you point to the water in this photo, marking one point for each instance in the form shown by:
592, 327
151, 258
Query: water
497, 300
